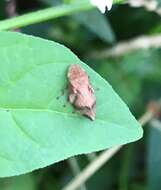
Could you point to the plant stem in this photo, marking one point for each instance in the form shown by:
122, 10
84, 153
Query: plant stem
43, 15
46, 14
76, 170
125, 165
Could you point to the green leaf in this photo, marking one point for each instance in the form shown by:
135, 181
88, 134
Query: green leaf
96, 22
37, 127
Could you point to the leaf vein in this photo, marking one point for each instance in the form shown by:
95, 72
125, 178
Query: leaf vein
24, 132
4, 157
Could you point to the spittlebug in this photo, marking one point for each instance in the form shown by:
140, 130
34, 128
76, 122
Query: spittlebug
81, 93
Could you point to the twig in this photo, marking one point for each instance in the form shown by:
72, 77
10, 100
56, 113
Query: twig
91, 168
150, 5
143, 42
104, 157
76, 170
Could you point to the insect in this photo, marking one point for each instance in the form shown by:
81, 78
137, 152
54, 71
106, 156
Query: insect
81, 93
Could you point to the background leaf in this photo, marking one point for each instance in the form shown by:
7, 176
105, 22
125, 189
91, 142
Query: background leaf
37, 123
24, 182
97, 24
154, 162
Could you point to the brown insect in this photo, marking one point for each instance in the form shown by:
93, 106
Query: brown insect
81, 93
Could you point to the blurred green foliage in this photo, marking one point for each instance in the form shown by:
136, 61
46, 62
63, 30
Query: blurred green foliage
154, 158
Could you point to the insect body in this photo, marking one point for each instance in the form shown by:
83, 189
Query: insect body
81, 93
